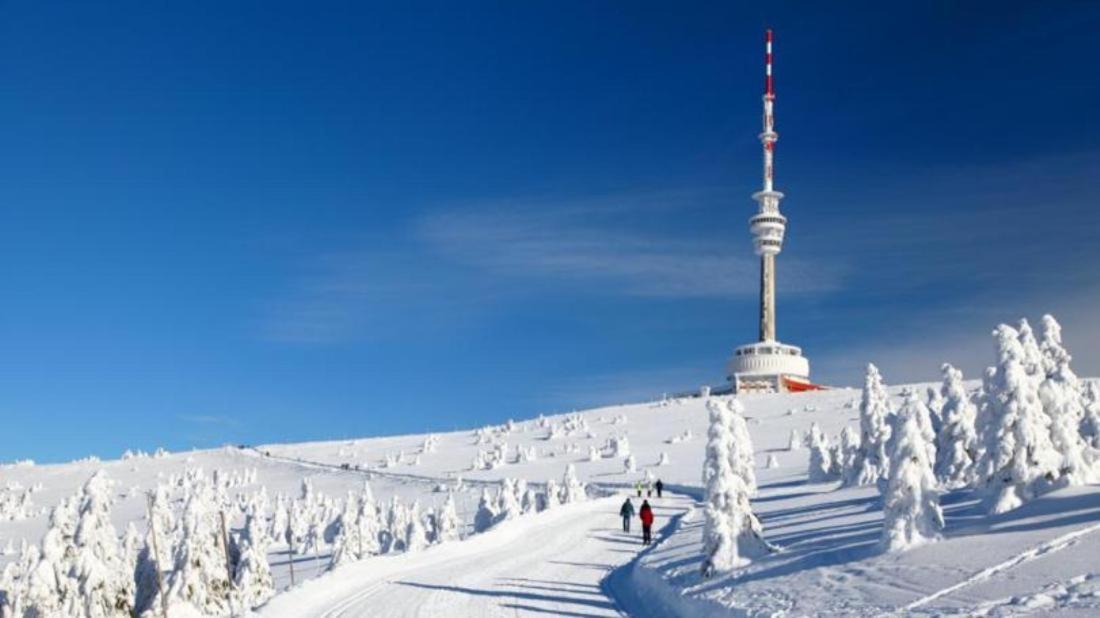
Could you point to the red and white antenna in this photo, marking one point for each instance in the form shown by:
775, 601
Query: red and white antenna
769, 85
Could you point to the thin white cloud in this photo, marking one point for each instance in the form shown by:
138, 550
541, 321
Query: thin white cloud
598, 243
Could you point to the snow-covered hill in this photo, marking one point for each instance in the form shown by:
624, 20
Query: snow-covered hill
574, 559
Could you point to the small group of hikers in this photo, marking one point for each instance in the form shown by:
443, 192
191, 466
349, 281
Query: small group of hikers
645, 513
640, 486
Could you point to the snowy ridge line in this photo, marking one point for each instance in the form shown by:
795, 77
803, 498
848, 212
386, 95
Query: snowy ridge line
1048, 547
602, 490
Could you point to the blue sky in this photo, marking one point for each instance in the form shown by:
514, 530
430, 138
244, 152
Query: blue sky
267, 221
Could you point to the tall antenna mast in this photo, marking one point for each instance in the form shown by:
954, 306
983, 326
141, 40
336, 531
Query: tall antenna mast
768, 225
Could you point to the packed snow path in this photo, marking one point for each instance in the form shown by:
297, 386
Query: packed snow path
552, 563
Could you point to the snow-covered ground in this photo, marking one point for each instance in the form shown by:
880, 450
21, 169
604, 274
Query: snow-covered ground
574, 560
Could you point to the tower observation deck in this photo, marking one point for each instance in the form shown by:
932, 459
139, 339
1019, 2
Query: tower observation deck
768, 365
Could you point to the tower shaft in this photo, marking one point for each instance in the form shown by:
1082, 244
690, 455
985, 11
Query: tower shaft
767, 297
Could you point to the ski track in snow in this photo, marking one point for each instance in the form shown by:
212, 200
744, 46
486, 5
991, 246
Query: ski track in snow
1043, 549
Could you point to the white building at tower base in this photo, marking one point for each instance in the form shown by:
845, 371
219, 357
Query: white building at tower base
769, 367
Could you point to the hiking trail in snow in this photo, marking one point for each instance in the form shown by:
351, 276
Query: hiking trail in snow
554, 562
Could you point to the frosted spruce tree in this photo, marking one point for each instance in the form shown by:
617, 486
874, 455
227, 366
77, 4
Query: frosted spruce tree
416, 537
820, 469
252, 573
348, 544
486, 514
845, 455
911, 509
957, 441
198, 575
160, 524
732, 535
923, 417
448, 526
874, 411
572, 490
1063, 401
1019, 459
106, 584
743, 458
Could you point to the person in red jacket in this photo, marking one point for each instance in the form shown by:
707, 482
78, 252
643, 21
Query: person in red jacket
646, 514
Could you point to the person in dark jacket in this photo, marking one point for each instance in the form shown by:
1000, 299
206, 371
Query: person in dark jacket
646, 514
627, 513
659, 486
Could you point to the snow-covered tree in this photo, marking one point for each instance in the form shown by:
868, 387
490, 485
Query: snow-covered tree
508, 506
1019, 459
935, 403
199, 576
572, 489
347, 545
957, 441
846, 453
160, 525
911, 509
663, 460
630, 466
1063, 401
820, 469
416, 537
486, 514
552, 497
105, 583
874, 411
447, 525
794, 442
252, 573
743, 457
1090, 425
731, 534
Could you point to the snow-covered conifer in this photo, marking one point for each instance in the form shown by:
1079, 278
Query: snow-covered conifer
663, 460
911, 509
630, 465
731, 533
820, 469
794, 442
1062, 399
743, 458
416, 537
105, 582
508, 506
199, 575
252, 574
486, 514
572, 489
552, 497
1019, 460
874, 410
957, 441
448, 527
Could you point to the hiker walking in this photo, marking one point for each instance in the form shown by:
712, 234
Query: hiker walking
660, 486
646, 515
627, 513
638, 486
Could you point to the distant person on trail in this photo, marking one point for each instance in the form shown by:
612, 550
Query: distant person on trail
646, 513
648, 490
660, 486
627, 513
638, 486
